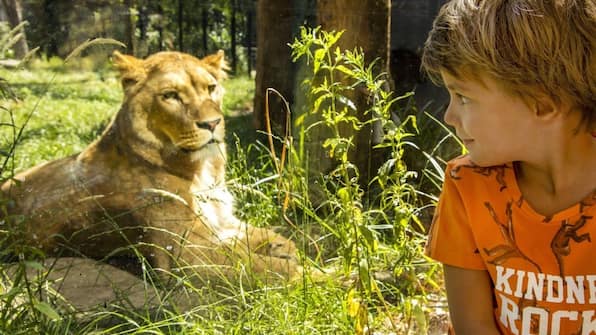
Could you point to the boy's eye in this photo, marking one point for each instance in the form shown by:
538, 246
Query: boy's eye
462, 99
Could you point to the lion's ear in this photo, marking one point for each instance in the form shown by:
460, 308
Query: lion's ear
130, 68
218, 63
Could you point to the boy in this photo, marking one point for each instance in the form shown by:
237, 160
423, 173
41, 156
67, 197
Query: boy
515, 227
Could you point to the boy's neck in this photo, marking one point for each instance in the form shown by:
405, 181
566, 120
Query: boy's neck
562, 176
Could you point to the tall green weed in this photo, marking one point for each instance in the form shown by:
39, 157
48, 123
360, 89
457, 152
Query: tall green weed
371, 236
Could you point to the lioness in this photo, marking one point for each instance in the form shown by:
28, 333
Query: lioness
153, 184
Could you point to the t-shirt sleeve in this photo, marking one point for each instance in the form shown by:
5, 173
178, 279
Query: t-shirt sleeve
451, 240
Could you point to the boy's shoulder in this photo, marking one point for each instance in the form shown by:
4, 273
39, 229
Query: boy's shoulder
463, 168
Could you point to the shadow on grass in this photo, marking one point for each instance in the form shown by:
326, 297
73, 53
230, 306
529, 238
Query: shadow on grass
64, 90
240, 126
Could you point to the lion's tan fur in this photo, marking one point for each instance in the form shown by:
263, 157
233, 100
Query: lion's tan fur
153, 182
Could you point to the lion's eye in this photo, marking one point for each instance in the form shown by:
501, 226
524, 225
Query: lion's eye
171, 95
211, 88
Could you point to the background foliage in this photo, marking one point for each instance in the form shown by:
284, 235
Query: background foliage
198, 27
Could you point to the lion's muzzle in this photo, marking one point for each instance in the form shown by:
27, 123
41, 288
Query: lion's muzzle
209, 125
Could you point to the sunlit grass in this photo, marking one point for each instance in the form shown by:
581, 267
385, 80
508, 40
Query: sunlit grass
60, 113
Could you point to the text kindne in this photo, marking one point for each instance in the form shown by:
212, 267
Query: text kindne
540, 287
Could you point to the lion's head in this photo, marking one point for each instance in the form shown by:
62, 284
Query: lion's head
176, 100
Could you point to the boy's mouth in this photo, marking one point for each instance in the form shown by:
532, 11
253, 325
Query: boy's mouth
467, 142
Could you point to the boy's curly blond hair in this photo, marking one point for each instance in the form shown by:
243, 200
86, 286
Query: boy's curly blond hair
529, 46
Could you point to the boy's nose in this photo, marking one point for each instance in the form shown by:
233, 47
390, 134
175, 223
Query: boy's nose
450, 117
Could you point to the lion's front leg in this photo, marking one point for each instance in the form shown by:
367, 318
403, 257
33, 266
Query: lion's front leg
269, 243
256, 240
208, 259
213, 246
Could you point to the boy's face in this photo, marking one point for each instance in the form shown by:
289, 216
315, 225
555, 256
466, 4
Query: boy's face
496, 127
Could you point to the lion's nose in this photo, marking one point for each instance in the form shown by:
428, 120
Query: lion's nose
209, 125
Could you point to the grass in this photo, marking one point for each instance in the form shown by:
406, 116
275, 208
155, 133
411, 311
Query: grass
63, 112
65, 109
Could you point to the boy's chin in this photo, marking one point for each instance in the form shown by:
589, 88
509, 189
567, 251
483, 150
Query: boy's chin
485, 161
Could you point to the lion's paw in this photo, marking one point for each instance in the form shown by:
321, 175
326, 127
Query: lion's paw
282, 249
277, 246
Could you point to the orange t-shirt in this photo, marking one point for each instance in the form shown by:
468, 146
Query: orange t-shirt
543, 269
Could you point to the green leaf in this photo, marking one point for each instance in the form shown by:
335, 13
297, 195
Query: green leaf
47, 310
333, 37
319, 56
34, 265
420, 317
344, 195
345, 70
97, 41
300, 119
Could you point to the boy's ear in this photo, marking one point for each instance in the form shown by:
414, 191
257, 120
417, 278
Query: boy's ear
545, 108
130, 68
217, 63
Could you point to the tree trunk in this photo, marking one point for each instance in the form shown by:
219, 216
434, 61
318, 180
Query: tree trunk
275, 26
249, 41
53, 27
142, 47
205, 27
15, 17
129, 28
233, 56
160, 26
366, 24
180, 25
